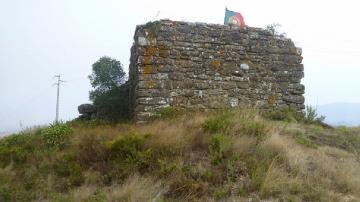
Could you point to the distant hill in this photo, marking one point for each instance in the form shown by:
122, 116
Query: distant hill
341, 113
3, 133
7, 132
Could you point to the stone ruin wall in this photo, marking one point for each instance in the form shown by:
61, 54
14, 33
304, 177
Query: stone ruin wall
209, 66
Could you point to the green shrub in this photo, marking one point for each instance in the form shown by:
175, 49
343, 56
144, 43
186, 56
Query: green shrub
91, 152
12, 152
56, 134
166, 168
288, 114
92, 123
311, 115
129, 150
231, 167
349, 136
17, 147
169, 112
14, 140
76, 177
217, 147
256, 129
98, 196
6, 194
219, 123
301, 139
112, 105
207, 175
258, 164
219, 193
68, 168
258, 174
111, 91
292, 114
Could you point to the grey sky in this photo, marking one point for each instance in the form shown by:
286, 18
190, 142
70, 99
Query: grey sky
41, 38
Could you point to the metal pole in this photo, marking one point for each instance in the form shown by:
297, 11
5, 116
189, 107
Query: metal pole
57, 101
57, 97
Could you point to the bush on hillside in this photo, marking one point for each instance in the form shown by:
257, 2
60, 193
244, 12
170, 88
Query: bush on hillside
129, 150
284, 114
169, 112
218, 123
311, 116
56, 134
289, 114
16, 148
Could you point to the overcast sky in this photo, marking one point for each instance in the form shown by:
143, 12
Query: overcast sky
41, 38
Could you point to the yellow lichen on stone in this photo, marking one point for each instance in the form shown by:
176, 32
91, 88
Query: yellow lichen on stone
150, 84
150, 51
271, 99
216, 64
164, 52
222, 52
148, 69
147, 60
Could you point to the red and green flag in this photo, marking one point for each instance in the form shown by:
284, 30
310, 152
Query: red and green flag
234, 18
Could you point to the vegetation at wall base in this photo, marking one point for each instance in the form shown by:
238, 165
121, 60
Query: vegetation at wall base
227, 155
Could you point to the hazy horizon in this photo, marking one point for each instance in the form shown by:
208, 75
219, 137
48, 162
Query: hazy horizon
42, 38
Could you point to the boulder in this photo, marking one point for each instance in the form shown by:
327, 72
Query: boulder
86, 109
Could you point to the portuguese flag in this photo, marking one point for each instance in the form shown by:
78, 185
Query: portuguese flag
233, 18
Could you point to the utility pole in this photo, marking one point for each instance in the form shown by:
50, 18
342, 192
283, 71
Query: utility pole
59, 81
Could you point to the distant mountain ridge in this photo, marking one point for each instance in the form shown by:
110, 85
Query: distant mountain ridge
3, 133
341, 113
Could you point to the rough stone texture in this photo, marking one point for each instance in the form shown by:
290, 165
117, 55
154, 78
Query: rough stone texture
208, 66
86, 111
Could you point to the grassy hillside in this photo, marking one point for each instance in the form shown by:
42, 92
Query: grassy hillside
228, 156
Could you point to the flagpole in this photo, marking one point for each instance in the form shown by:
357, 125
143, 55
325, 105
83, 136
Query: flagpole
225, 15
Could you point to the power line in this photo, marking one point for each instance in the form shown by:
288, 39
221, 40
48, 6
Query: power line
59, 81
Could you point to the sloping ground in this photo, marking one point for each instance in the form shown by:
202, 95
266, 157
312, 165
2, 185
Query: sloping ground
225, 156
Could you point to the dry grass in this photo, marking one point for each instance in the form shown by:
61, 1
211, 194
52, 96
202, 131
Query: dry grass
105, 132
278, 181
185, 131
331, 169
84, 192
243, 145
243, 157
137, 189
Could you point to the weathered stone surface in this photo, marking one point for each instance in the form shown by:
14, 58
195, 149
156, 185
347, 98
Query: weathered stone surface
198, 65
86, 109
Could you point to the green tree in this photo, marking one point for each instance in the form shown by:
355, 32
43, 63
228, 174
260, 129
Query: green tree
111, 93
